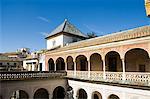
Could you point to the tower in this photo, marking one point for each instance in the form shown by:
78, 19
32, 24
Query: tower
63, 35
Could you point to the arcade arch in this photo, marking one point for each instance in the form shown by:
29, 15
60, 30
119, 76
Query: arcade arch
96, 63
70, 63
82, 63
82, 94
41, 94
60, 64
113, 62
51, 64
59, 93
19, 94
137, 60
113, 96
96, 95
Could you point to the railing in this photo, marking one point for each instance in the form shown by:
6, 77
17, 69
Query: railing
70, 73
96, 75
138, 78
30, 75
131, 78
81, 74
114, 76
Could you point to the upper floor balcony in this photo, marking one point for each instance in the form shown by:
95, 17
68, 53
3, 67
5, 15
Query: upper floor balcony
131, 69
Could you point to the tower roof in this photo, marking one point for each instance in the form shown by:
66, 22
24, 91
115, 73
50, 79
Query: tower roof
66, 27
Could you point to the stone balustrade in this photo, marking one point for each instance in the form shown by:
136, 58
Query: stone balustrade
131, 78
96, 75
30, 75
70, 73
114, 76
138, 78
82, 74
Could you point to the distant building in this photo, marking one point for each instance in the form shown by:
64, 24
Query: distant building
30, 63
13, 61
10, 64
35, 61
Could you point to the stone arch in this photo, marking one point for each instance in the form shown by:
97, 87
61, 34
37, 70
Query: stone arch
137, 60
136, 47
113, 96
113, 61
96, 95
96, 63
70, 63
51, 64
59, 93
41, 94
82, 63
81, 94
60, 64
19, 94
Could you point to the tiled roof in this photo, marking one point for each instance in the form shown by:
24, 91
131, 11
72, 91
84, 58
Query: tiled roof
4, 58
66, 27
114, 37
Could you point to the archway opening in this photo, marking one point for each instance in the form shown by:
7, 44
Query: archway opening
112, 96
81, 62
82, 94
19, 94
51, 64
96, 63
137, 60
41, 94
96, 95
113, 62
59, 93
70, 63
60, 64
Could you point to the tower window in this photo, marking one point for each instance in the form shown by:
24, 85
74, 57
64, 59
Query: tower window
54, 42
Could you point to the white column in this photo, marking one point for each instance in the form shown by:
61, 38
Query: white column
89, 68
32, 67
104, 69
54, 66
50, 96
75, 68
123, 69
65, 65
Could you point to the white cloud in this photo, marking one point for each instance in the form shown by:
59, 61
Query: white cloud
43, 19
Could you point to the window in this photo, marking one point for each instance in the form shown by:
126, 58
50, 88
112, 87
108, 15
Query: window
54, 42
1, 64
7, 63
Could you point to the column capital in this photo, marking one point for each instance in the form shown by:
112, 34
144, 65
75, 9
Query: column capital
122, 59
88, 58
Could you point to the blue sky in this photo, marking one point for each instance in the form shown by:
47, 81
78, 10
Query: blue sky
24, 23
